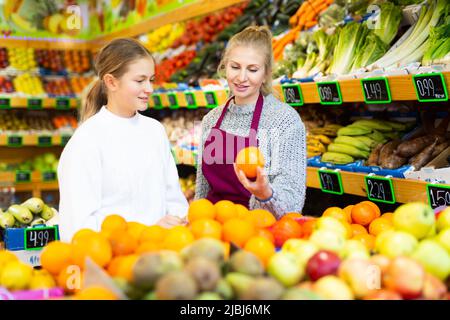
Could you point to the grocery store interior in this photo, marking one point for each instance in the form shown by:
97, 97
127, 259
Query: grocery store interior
370, 80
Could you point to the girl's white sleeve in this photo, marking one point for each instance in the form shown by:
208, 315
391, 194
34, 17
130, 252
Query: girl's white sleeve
177, 204
79, 177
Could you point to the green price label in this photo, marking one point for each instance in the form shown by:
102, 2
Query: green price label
34, 104
430, 87
49, 176
173, 101
45, 141
190, 100
331, 181
292, 94
157, 101
211, 99
329, 92
380, 189
23, 176
62, 103
5, 103
15, 141
376, 90
65, 139
438, 195
39, 237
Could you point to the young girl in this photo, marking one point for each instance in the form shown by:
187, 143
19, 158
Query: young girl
118, 161
253, 117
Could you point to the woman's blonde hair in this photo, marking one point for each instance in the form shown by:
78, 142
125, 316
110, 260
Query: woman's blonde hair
112, 59
260, 38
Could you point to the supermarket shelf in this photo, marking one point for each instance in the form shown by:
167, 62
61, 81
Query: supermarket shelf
50, 44
406, 190
35, 185
401, 88
39, 103
186, 12
33, 140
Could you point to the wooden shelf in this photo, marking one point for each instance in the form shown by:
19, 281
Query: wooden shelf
46, 103
401, 87
185, 12
34, 140
406, 190
52, 44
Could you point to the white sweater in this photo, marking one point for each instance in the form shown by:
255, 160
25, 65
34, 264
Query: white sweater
115, 165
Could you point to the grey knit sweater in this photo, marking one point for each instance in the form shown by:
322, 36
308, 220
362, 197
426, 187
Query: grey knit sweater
282, 140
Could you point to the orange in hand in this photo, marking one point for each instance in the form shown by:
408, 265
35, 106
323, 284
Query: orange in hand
248, 159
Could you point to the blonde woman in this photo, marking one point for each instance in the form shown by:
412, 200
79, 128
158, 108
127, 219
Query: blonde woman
253, 116
118, 161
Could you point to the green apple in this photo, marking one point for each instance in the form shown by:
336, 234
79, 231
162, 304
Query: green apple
398, 243
416, 218
332, 224
302, 249
327, 240
443, 238
333, 288
286, 268
354, 249
443, 220
434, 258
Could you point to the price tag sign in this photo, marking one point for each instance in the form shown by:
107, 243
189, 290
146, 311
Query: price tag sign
173, 101
34, 104
329, 92
44, 141
292, 94
380, 189
331, 181
438, 195
62, 103
376, 90
430, 87
191, 101
64, 140
157, 101
49, 176
15, 141
211, 99
5, 103
39, 237
23, 176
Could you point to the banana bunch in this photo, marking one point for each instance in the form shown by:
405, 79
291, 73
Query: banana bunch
163, 37
357, 140
316, 144
30, 213
330, 130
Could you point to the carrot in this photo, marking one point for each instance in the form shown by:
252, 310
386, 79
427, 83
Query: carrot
322, 7
302, 19
310, 24
310, 16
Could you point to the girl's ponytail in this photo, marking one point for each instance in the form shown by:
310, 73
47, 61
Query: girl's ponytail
94, 100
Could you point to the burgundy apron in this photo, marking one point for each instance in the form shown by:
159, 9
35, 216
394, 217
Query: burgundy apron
220, 151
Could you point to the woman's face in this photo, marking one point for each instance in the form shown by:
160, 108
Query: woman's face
136, 85
245, 73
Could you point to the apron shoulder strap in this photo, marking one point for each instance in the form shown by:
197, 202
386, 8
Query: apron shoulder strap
222, 115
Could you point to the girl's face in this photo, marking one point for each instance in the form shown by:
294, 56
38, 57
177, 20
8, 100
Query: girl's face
245, 73
135, 86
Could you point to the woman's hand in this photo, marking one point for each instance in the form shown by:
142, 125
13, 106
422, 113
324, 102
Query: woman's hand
260, 188
169, 221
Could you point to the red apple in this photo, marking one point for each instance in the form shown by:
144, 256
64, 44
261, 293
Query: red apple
383, 294
433, 289
405, 276
321, 264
